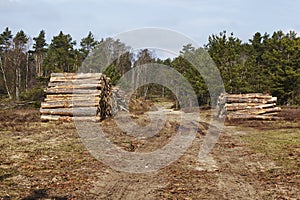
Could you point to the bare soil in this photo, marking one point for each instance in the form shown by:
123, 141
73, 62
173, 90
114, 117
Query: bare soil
48, 161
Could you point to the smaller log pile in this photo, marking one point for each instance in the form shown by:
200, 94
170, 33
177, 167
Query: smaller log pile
85, 96
255, 106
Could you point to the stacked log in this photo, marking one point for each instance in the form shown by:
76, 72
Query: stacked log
104, 108
255, 106
85, 96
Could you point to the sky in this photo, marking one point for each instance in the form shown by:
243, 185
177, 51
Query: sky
197, 19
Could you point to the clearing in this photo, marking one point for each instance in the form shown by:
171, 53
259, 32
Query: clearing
252, 160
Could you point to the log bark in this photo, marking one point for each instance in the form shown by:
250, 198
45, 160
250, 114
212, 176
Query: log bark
250, 95
264, 111
68, 118
72, 91
68, 104
91, 111
77, 75
251, 117
250, 100
71, 99
74, 83
71, 96
245, 106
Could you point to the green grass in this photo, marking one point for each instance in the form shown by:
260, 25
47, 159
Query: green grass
279, 144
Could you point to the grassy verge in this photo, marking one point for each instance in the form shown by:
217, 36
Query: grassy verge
280, 142
280, 145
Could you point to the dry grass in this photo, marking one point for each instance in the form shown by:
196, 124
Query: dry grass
42, 160
48, 161
280, 142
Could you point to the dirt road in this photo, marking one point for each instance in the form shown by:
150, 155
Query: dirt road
49, 161
230, 171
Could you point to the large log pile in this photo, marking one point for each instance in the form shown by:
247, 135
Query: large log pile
85, 96
248, 107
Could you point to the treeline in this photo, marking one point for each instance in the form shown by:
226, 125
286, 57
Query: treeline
266, 63
26, 64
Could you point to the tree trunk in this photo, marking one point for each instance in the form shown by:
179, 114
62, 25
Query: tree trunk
27, 71
138, 82
133, 79
18, 74
146, 91
39, 60
5, 80
36, 65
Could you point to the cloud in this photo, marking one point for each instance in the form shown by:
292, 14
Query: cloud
196, 18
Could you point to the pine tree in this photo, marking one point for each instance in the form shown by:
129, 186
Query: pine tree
88, 44
61, 55
6, 39
281, 60
39, 51
226, 53
19, 62
5, 44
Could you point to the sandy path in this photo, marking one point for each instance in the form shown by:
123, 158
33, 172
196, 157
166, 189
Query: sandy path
229, 172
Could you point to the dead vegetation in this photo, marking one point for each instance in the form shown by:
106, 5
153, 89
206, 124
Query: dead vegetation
252, 160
